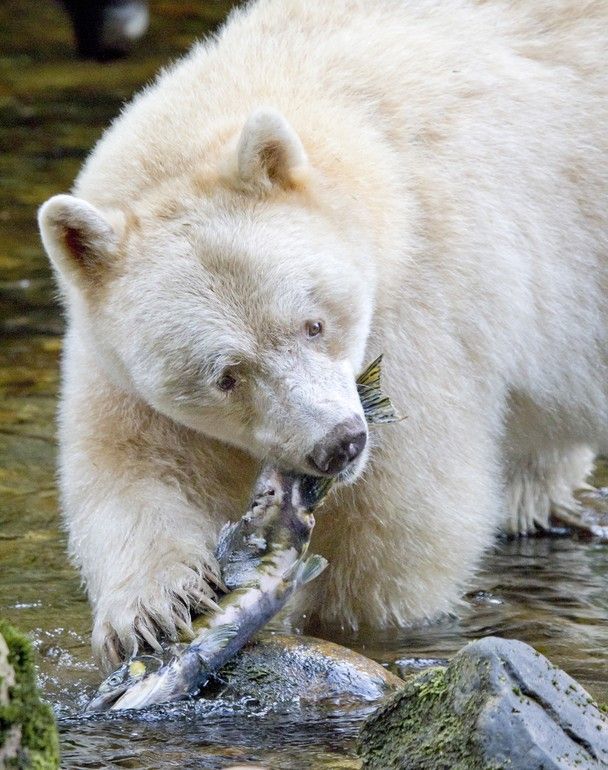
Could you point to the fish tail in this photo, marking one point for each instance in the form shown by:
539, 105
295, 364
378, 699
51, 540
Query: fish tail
377, 407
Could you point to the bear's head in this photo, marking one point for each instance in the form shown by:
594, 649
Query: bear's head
241, 310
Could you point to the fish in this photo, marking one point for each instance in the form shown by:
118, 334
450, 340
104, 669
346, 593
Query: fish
377, 406
263, 561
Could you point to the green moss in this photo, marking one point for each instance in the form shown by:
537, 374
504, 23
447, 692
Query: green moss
39, 738
420, 729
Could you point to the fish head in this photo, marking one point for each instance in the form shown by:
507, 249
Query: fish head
115, 685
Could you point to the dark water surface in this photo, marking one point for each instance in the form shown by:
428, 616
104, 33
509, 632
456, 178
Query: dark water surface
551, 593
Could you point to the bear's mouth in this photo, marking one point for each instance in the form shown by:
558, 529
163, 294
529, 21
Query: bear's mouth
352, 472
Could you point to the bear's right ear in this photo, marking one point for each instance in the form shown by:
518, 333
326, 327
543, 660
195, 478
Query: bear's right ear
77, 237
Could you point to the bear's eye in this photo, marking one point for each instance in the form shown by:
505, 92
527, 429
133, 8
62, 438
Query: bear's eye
314, 328
226, 382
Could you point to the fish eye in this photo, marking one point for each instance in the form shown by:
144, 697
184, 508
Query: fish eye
313, 328
226, 382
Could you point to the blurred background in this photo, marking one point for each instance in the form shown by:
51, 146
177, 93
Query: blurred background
53, 107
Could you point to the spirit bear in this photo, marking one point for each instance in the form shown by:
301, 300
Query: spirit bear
320, 183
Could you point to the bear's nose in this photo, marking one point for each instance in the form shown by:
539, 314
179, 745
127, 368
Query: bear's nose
340, 447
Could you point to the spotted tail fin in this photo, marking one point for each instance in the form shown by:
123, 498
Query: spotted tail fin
377, 407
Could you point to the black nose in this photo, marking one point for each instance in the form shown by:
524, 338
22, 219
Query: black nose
340, 447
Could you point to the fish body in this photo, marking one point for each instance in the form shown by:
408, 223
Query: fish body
263, 561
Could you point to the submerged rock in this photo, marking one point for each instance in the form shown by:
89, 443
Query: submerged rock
28, 735
277, 669
499, 705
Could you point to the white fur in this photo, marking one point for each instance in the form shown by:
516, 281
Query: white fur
98, 240
269, 150
434, 188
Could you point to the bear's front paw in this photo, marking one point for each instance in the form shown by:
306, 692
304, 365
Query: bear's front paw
127, 619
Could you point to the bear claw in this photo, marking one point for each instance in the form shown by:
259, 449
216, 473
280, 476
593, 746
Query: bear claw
589, 519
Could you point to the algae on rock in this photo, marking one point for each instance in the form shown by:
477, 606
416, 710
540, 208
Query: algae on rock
28, 734
499, 705
422, 728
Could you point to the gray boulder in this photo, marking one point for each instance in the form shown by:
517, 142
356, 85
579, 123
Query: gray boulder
499, 705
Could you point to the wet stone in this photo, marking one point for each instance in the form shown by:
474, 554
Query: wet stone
280, 669
499, 705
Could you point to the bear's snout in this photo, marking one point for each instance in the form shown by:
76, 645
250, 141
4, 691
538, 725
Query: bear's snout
339, 447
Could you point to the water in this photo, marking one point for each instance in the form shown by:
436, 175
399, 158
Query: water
550, 593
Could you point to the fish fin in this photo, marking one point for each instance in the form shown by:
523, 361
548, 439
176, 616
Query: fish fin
212, 640
159, 687
310, 569
377, 407
370, 376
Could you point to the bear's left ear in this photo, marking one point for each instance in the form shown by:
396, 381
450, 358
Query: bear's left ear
270, 151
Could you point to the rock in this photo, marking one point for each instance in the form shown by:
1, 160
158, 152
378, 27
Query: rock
28, 735
279, 669
499, 705
10, 735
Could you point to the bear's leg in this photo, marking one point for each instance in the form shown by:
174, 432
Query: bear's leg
143, 501
146, 558
540, 491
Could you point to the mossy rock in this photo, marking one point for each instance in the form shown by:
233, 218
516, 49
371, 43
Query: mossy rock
28, 734
418, 729
499, 705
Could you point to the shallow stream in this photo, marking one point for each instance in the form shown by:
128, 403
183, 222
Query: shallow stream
550, 593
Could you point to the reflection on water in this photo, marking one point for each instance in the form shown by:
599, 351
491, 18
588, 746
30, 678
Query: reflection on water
551, 593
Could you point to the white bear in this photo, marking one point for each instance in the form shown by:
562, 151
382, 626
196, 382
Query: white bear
320, 183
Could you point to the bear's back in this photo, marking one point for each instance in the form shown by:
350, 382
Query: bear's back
326, 64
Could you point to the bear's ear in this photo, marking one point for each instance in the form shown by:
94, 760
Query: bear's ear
270, 151
77, 237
